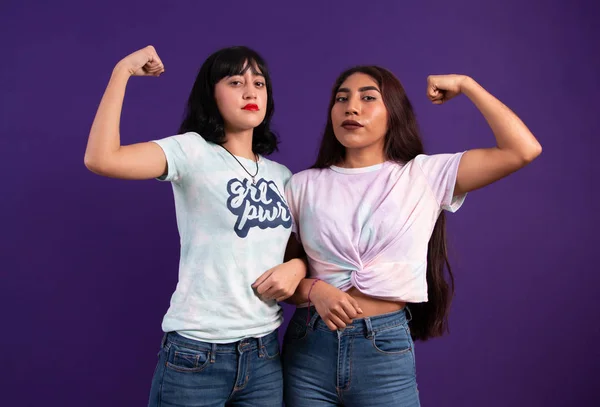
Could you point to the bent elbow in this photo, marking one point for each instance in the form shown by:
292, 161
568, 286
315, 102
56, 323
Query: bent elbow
532, 153
94, 165
89, 163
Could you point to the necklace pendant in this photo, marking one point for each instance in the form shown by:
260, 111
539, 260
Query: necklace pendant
253, 181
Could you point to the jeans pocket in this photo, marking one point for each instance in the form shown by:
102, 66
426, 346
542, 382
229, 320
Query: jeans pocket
271, 349
187, 360
392, 341
296, 330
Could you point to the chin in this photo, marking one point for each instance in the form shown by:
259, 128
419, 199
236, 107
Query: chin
248, 125
353, 141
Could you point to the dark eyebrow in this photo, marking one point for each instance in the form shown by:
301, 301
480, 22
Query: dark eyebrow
363, 89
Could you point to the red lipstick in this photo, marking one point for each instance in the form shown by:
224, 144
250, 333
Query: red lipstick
251, 106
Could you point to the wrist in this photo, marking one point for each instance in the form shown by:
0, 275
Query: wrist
313, 289
121, 71
467, 84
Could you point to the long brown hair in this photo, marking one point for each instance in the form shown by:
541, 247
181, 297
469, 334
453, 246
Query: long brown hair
402, 144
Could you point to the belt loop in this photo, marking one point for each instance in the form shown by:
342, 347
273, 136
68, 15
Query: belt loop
213, 352
370, 332
261, 347
163, 341
408, 314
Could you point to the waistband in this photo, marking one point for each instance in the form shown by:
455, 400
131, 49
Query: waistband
360, 326
244, 345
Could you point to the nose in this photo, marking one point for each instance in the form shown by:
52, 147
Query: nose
249, 93
351, 107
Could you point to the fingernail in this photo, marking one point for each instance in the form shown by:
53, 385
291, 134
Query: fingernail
360, 310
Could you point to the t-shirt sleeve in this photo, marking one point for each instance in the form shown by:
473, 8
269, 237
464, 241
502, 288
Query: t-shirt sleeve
177, 157
440, 171
287, 175
291, 199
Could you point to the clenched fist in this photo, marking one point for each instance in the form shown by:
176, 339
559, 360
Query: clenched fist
441, 88
335, 307
143, 62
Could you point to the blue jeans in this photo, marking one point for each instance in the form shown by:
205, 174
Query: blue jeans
369, 363
192, 373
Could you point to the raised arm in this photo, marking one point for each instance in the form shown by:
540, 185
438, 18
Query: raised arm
104, 154
515, 144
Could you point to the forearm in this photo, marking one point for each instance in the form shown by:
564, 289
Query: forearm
301, 294
511, 134
104, 138
299, 266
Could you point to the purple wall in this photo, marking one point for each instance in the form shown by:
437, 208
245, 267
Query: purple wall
88, 264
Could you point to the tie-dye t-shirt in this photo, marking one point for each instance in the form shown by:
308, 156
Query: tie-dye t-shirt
369, 227
231, 232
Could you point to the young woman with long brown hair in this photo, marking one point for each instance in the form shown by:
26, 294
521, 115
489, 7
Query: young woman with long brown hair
369, 216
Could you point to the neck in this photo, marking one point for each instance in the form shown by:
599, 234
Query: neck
240, 143
363, 157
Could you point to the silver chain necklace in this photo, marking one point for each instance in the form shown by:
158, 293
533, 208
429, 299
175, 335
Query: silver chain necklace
241, 165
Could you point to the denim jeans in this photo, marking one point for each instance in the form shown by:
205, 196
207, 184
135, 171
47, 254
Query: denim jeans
192, 373
369, 363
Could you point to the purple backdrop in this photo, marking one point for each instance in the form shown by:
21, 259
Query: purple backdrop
88, 264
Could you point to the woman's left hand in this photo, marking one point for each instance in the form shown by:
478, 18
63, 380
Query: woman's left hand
441, 88
280, 282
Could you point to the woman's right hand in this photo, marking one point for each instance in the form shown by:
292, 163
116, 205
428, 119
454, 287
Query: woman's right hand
335, 307
143, 62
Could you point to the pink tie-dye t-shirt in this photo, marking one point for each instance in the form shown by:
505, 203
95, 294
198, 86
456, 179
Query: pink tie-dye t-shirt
369, 227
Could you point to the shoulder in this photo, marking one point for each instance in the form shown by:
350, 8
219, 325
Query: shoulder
275, 166
277, 170
309, 175
189, 140
435, 160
